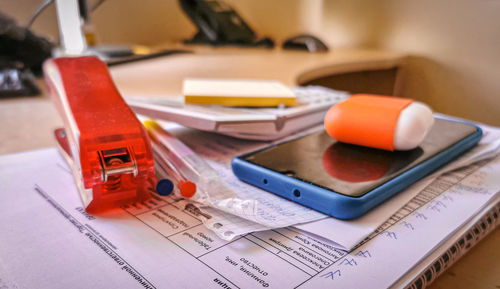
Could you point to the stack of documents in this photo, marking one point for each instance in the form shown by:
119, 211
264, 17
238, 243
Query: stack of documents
270, 211
51, 242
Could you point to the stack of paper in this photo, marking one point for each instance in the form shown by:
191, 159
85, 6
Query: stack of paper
275, 212
49, 241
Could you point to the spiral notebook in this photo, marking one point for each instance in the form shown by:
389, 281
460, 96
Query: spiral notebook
454, 248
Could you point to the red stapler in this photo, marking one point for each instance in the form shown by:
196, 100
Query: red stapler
106, 146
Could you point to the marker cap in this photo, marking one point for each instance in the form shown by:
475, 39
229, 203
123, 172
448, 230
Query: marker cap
187, 188
164, 187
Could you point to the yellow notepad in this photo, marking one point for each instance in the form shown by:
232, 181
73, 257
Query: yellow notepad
237, 92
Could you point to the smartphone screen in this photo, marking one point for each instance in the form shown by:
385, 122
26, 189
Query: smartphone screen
349, 169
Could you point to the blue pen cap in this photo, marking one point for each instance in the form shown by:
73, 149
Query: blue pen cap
164, 187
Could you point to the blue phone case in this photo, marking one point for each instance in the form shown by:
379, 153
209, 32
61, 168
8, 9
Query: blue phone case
338, 205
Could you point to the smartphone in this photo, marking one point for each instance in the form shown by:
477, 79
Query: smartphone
346, 181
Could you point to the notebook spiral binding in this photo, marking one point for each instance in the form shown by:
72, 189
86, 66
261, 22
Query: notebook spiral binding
482, 228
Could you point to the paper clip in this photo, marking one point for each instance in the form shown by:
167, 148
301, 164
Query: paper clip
106, 146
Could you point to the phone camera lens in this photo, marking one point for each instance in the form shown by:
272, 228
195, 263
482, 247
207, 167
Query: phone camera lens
296, 193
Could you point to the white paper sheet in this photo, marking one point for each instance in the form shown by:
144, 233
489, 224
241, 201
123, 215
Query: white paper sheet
261, 210
419, 269
348, 234
270, 211
48, 241
409, 241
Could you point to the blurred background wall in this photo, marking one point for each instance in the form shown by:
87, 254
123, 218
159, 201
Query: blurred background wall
454, 44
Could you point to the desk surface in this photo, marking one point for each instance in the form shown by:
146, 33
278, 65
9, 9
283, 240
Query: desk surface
27, 122
163, 76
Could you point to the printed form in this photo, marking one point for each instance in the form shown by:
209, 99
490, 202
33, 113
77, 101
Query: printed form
248, 209
270, 211
49, 241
